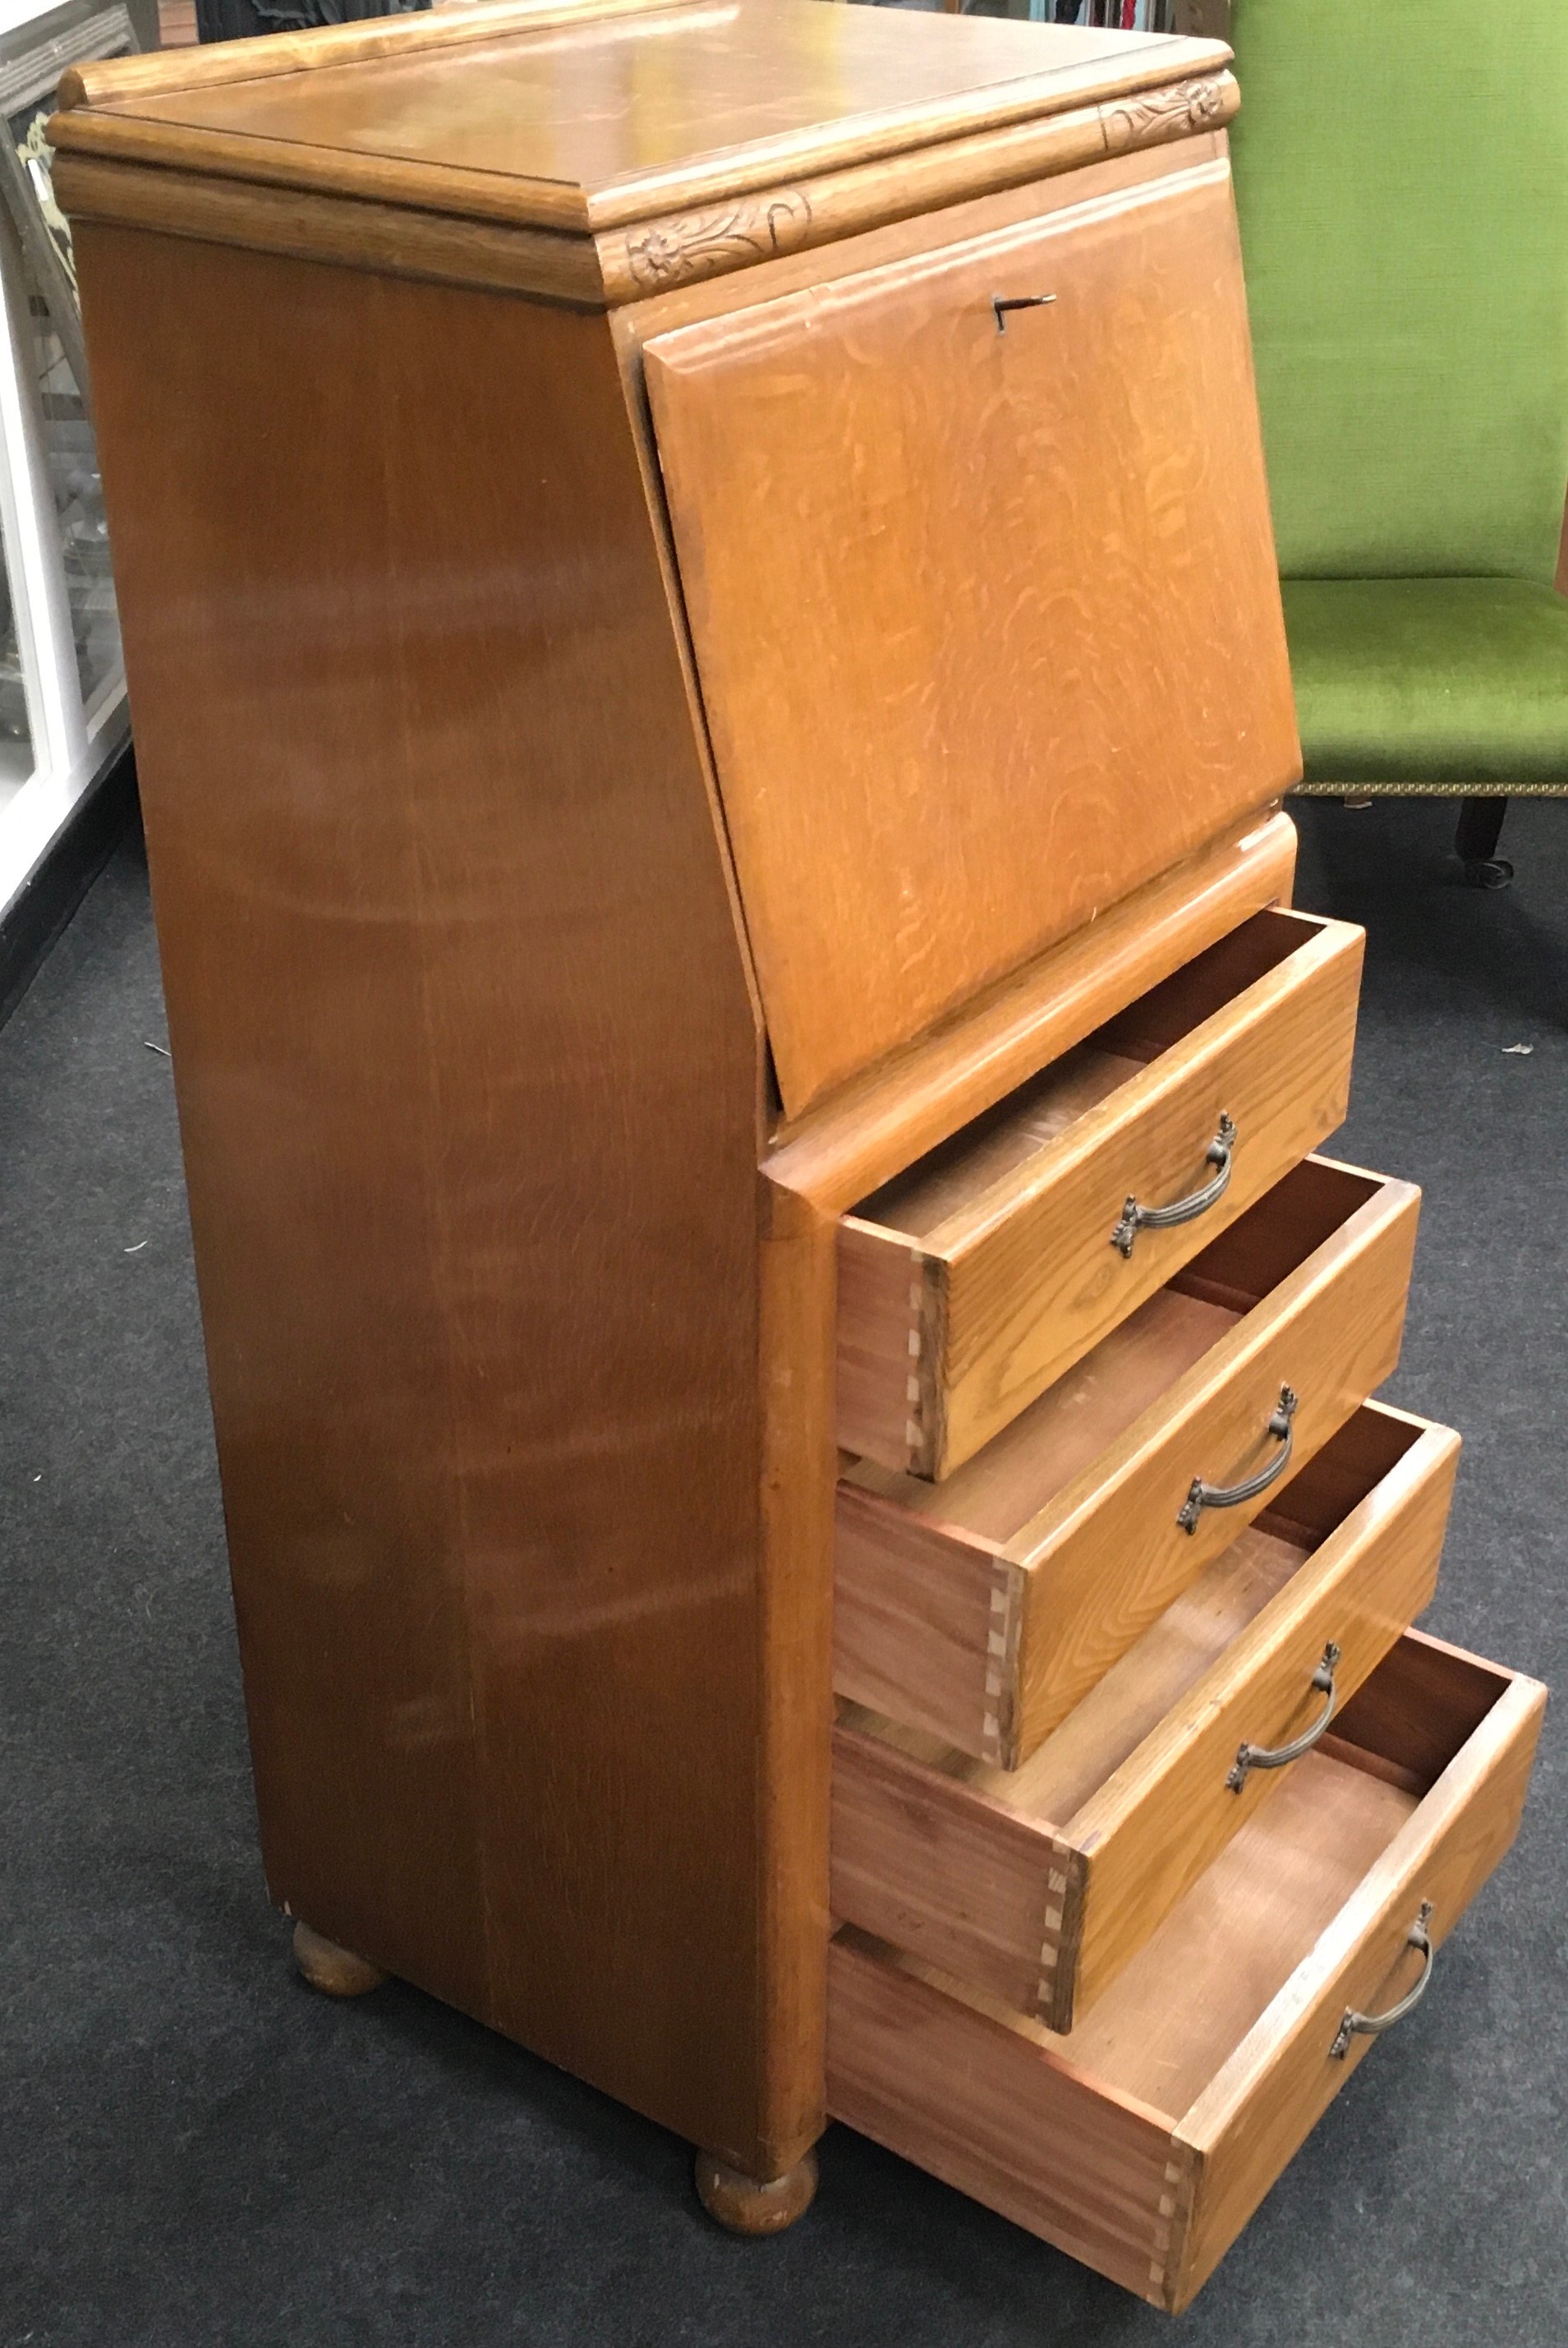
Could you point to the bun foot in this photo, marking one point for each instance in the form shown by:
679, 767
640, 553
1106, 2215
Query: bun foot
337, 1971
747, 2206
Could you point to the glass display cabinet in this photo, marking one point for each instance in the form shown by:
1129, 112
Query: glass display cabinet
63, 715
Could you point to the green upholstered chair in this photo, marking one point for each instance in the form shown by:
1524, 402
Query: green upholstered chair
1401, 170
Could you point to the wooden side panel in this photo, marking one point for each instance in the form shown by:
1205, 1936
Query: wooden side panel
958, 2092
1031, 1282
925, 1623
922, 799
467, 1079
794, 1756
1261, 2105
1155, 1825
1112, 1555
950, 1873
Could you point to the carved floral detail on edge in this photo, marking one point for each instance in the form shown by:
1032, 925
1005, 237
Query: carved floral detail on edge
1170, 113
702, 244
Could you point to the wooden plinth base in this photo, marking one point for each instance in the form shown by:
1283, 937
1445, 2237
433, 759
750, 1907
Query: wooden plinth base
337, 1971
748, 2206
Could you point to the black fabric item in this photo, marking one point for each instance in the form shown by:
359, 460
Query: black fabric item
243, 20
199, 2150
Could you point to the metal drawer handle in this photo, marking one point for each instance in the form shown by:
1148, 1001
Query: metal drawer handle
1019, 302
1276, 1756
1367, 2025
1136, 1218
1203, 1495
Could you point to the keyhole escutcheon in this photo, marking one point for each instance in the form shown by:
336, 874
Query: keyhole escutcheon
1001, 304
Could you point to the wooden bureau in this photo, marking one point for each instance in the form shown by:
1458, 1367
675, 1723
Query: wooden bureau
793, 1393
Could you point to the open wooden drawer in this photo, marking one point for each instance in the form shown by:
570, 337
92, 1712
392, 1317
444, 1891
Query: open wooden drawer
982, 1609
1143, 2143
1039, 1884
986, 1269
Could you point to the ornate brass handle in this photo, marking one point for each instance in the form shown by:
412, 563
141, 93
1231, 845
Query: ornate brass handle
1202, 1496
1367, 2025
1276, 1756
1136, 1218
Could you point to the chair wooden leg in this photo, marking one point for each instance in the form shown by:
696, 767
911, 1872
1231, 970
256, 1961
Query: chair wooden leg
1475, 843
337, 1971
748, 2206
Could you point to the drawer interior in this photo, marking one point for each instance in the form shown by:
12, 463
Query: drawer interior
1078, 1759
953, 1179
1173, 2017
1406, 1723
1020, 1471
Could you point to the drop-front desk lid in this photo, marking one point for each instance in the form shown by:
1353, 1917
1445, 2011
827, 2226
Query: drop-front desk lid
584, 115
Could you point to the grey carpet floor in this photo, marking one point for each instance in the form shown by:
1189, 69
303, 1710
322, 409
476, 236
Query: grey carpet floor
194, 2148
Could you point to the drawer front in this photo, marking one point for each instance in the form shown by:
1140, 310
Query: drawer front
1143, 2144
921, 789
943, 1340
989, 1643
971, 1871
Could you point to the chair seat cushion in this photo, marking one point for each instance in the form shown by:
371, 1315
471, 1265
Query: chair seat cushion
1425, 681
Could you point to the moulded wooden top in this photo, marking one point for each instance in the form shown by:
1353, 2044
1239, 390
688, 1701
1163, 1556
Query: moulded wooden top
581, 115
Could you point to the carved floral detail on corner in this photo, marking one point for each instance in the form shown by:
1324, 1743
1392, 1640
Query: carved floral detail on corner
702, 244
1169, 113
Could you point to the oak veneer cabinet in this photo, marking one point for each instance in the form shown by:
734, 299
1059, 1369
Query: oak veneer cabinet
712, 710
